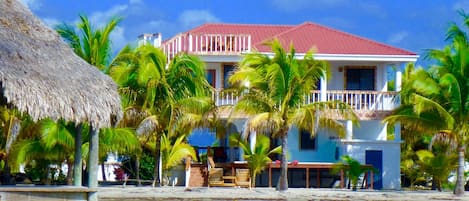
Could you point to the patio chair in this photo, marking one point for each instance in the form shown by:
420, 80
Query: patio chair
243, 178
216, 177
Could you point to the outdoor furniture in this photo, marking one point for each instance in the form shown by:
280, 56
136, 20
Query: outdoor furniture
243, 178
216, 177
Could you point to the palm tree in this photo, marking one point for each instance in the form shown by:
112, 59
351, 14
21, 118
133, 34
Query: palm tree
52, 143
440, 96
173, 152
259, 157
93, 46
170, 99
274, 90
353, 169
438, 165
11, 121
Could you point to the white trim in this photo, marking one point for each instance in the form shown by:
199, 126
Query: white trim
355, 141
220, 58
357, 57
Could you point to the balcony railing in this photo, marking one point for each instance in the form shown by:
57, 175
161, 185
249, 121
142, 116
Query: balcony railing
207, 44
358, 100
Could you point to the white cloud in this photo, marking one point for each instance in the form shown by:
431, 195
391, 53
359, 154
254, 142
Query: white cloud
51, 22
398, 37
32, 4
101, 18
135, 1
295, 5
191, 18
462, 4
118, 38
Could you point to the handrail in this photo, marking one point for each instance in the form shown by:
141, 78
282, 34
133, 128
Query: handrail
207, 44
358, 100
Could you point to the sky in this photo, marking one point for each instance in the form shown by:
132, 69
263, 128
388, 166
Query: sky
415, 25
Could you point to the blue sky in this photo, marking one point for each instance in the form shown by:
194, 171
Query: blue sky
413, 25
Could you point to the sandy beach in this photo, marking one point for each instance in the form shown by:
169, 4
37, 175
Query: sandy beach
222, 193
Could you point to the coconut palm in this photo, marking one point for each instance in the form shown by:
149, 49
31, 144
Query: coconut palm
438, 165
171, 99
173, 152
258, 158
353, 169
10, 124
274, 93
52, 143
440, 96
93, 45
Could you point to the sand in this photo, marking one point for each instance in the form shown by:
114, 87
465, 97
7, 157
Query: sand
227, 193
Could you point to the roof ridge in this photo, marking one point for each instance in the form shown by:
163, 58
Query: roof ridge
357, 36
283, 32
236, 24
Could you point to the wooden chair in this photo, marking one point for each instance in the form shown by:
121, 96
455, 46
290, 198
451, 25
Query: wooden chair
243, 178
215, 175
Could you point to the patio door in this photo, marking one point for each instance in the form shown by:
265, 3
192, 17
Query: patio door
360, 78
375, 158
211, 77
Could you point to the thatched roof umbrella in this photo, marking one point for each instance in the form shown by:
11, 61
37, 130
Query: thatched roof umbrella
41, 75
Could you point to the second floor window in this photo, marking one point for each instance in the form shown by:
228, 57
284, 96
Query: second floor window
227, 72
360, 78
211, 78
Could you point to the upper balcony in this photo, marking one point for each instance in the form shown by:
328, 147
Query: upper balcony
367, 104
207, 44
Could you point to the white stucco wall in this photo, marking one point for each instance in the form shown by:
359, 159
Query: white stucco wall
370, 130
336, 81
391, 158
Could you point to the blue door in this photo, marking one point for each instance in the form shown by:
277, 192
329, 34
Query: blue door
375, 158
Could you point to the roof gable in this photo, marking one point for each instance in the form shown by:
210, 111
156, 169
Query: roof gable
304, 37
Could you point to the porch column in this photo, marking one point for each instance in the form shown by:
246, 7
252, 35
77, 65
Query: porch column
93, 163
349, 130
398, 87
252, 140
323, 96
190, 43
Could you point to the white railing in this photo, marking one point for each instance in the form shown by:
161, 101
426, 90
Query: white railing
358, 100
225, 97
207, 44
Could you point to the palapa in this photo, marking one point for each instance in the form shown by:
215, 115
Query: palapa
42, 76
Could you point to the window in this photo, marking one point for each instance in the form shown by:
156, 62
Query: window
306, 141
211, 78
227, 71
360, 78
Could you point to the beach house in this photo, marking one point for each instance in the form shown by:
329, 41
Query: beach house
360, 71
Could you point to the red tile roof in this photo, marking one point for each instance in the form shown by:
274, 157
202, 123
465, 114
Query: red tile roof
305, 36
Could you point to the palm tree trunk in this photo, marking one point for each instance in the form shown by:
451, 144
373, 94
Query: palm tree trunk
253, 180
459, 189
156, 172
69, 172
137, 170
283, 180
6, 172
103, 171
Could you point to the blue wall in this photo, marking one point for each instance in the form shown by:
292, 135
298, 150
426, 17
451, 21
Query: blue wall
325, 149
